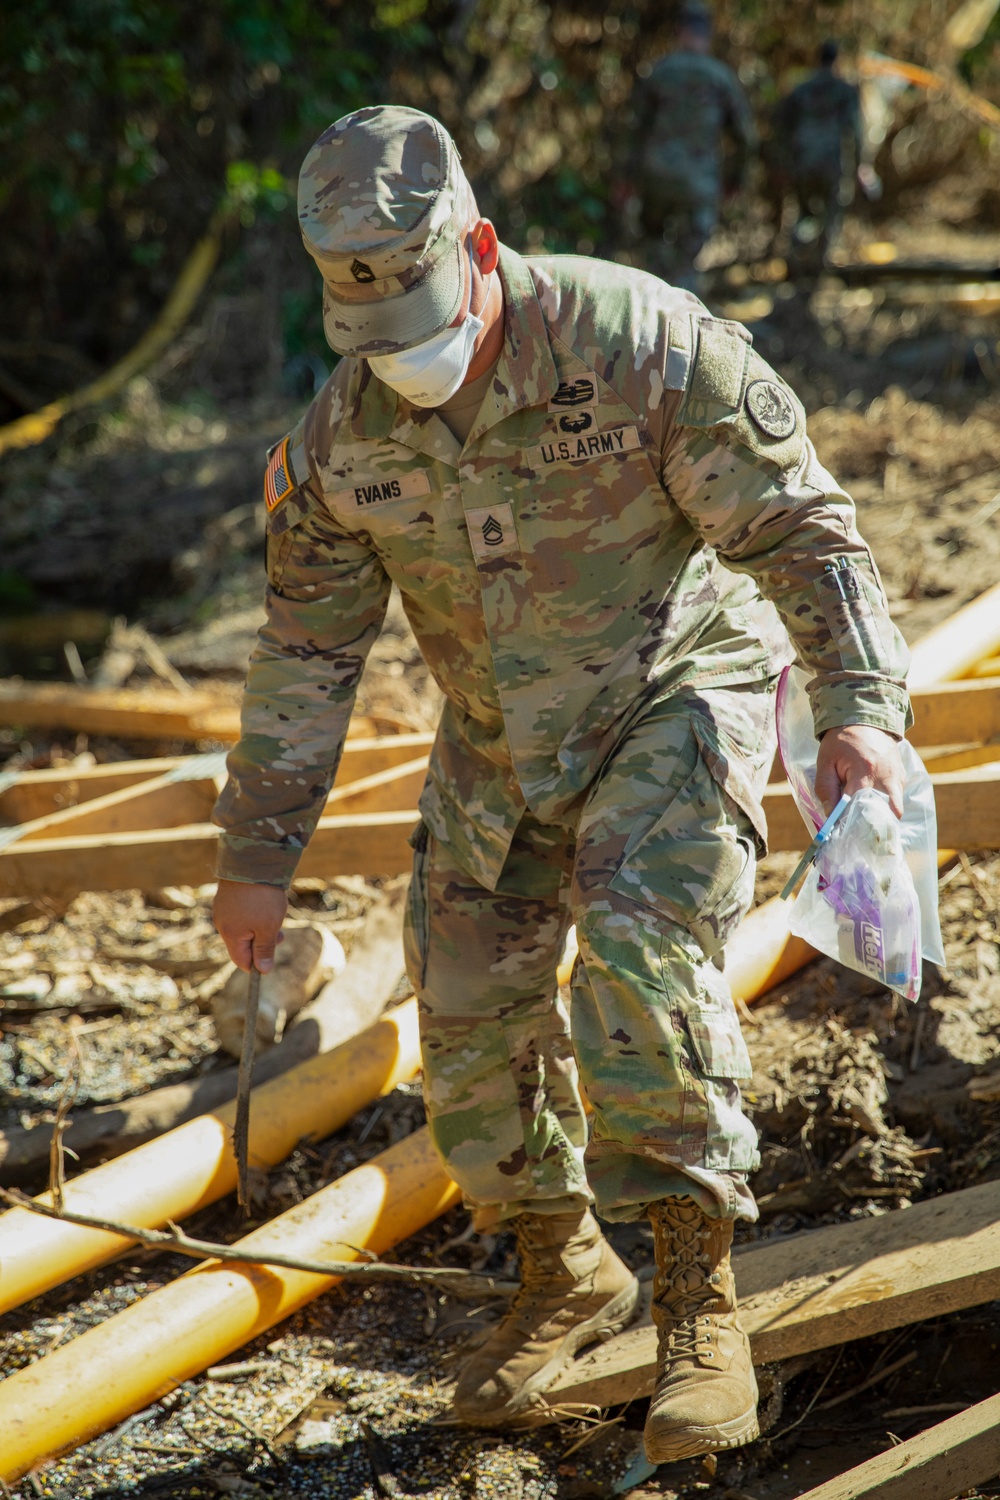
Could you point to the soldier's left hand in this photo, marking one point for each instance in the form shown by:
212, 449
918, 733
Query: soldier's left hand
857, 756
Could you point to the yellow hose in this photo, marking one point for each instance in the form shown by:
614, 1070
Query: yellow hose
145, 1352
194, 1165
38, 425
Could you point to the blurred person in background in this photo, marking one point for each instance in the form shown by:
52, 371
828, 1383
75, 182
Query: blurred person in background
689, 110
818, 140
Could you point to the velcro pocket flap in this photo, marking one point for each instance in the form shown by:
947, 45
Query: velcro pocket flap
715, 1032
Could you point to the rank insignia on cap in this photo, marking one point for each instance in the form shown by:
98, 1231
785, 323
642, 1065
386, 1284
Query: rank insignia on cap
279, 480
361, 272
770, 408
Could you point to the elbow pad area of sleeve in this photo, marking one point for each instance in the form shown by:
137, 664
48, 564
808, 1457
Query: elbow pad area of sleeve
731, 388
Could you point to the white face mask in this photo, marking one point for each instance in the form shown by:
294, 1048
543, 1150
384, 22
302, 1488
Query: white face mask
432, 371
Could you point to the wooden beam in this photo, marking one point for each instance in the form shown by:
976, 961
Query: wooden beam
827, 1286
127, 713
373, 843
948, 1459
160, 803
37, 793
156, 715
988, 668
968, 811
959, 757
390, 790
956, 711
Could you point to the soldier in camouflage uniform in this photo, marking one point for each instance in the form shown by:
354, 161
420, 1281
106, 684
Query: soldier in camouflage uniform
582, 485
683, 110
818, 129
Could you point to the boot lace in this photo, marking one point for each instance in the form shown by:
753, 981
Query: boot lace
534, 1260
684, 1285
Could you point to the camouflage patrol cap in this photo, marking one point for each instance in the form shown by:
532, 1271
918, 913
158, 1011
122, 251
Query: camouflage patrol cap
383, 206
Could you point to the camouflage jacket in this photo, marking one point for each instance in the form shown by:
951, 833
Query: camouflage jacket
561, 571
683, 110
819, 126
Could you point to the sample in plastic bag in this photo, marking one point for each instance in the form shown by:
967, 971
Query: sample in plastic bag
870, 899
858, 902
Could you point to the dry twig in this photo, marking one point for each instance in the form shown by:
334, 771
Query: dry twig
449, 1279
866, 1385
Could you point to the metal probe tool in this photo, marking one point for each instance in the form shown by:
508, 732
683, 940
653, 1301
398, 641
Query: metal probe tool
244, 1078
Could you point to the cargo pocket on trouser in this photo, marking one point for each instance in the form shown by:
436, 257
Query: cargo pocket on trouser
695, 863
416, 918
718, 1061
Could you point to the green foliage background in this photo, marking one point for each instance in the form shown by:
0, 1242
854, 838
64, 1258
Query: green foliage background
124, 123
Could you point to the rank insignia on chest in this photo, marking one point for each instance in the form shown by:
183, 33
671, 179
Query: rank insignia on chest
491, 531
279, 480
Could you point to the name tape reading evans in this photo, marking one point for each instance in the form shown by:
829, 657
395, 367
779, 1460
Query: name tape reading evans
374, 491
568, 450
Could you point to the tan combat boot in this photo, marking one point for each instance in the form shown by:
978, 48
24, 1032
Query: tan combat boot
706, 1392
574, 1290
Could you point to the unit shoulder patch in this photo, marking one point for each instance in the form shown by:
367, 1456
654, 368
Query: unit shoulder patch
770, 408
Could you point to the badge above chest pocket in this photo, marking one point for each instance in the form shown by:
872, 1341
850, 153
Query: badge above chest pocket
584, 447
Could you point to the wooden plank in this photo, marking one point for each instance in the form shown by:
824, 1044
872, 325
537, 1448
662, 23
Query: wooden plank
372, 843
954, 711
959, 757
988, 668
968, 818
124, 712
968, 811
159, 803
391, 790
945, 1460
118, 711
827, 1286
36, 793
165, 802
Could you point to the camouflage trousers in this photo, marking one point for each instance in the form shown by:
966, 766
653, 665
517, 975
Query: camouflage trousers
656, 870
820, 208
676, 226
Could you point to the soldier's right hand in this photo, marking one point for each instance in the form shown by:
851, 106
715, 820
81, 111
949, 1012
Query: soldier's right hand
248, 918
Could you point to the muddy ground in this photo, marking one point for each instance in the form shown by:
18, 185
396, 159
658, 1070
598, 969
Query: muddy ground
861, 1100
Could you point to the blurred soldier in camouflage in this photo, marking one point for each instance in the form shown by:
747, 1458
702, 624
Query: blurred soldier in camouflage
818, 129
683, 110
582, 485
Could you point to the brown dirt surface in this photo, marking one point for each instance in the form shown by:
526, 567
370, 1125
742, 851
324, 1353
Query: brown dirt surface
862, 1101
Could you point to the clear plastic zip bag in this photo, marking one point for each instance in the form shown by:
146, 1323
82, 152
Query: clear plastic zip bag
870, 897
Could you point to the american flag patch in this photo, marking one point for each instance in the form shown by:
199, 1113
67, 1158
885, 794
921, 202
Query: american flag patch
279, 480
